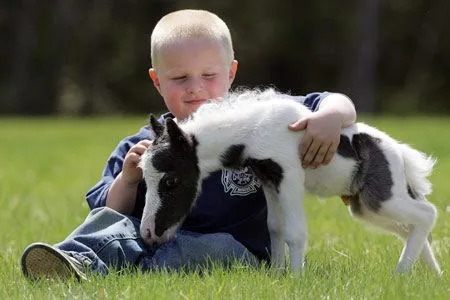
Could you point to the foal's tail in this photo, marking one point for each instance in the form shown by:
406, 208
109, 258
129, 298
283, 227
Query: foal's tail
418, 166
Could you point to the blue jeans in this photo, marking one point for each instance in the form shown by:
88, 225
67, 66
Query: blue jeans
109, 239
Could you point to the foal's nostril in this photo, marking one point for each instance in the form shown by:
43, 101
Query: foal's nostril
149, 235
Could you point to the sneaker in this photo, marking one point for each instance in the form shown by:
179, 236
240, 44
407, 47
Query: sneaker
42, 261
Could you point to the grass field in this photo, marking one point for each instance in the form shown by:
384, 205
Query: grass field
46, 166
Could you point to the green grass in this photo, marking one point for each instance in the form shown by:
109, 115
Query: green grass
46, 166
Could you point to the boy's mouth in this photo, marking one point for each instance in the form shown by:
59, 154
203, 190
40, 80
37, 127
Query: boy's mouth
196, 102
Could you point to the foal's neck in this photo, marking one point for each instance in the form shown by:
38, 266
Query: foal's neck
215, 135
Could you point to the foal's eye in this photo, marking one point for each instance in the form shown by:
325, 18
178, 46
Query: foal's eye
171, 181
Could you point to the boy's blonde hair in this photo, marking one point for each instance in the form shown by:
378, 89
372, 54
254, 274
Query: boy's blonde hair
189, 23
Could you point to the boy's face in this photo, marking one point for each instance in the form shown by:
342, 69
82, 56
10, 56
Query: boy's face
191, 72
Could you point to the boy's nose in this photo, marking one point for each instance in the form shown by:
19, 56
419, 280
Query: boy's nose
195, 86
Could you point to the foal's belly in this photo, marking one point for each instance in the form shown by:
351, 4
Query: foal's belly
333, 179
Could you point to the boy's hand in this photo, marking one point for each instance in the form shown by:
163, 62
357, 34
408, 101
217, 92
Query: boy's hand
122, 192
131, 174
321, 139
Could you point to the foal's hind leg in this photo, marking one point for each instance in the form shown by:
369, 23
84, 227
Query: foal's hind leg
275, 224
420, 216
427, 255
402, 232
429, 258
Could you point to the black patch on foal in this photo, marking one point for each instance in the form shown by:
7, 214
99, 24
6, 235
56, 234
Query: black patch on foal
411, 192
346, 149
373, 179
266, 170
177, 189
232, 157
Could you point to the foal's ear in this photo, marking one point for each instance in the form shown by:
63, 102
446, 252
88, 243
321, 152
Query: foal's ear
176, 135
156, 127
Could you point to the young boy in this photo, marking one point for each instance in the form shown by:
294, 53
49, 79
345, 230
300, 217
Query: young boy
193, 61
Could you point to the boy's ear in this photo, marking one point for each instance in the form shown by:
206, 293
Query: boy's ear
155, 79
233, 70
176, 135
156, 127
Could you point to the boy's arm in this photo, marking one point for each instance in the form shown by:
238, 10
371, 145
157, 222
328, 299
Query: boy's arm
323, 128
340, 105
112, 190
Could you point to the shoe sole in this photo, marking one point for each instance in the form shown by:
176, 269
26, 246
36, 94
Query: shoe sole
43, 261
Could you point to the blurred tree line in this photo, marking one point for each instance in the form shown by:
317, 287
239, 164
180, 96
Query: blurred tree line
80, 57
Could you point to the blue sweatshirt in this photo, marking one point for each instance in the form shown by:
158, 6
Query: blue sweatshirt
230, 201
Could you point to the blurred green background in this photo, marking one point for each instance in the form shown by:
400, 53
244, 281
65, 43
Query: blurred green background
68, 57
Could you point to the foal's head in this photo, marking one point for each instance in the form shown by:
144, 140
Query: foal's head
171, 173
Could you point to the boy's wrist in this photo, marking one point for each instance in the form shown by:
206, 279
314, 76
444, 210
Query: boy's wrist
121, 195
127, 182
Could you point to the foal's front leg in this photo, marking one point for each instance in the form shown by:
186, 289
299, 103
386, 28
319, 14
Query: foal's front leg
291, 193
275, 224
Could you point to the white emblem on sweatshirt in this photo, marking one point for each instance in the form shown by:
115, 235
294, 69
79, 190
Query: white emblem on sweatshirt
240, 182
